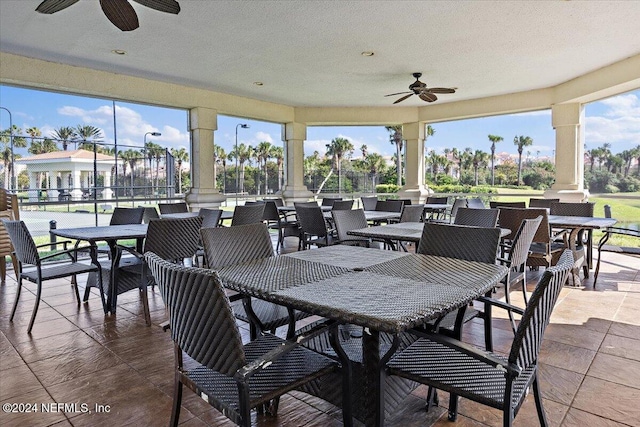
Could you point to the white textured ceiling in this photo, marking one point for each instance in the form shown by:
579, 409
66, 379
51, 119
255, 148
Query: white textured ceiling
308, 53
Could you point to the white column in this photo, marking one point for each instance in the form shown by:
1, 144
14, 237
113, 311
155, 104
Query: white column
567, 120
76, 193
33, 186
294, 189
52, 191
107, 193
414, 187
203, 193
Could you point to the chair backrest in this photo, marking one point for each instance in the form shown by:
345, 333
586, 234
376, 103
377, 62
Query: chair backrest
541, 203
607, 211
270, 212
405, 201
202, 322
312, 221
341, 205
173, 239
572, 209
347, 220
328, 201
149, 214
369, 203
169, 208
234, 245
497, 205
475, 203
457, 204
411, 213
9, 202
461, 242
297, 205
210, 217
477, 217
247, 214
389, 205
432, 200
511, 218
528, 338
23, 243
122, 216
519, 249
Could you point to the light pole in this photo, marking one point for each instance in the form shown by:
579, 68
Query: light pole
12, 185
243, 126
145, 157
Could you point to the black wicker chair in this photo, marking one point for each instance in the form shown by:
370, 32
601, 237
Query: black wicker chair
122, 216
149, 214
542, 203
389, 205
369, 203
328, 201
475, 203
497, 205
584, 240
27, 254
313, 227
250, 213
477, 217
210, 217
411, 213
174, 239
435, 214
484, 377
347, 220
279, 221
232, 377
170, 208
226, 246
342, 205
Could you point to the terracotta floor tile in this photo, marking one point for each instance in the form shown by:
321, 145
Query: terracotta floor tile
565, 356
41, 329
616, 369
625, 330
32, 419
56, 345
574, 335
621, 346
609, 400
558, 385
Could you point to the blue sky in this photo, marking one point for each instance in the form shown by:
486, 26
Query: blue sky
614, 120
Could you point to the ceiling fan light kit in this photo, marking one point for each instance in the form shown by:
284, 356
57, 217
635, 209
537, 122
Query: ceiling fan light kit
425, 93
119, 12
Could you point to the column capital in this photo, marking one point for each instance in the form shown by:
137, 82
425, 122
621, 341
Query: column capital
413, 130
203, 118
566, 114
296, 131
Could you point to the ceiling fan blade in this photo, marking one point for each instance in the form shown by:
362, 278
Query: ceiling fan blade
168, 6
441, 90
121, 14
403, 98
429, 97
399, 93
53, 6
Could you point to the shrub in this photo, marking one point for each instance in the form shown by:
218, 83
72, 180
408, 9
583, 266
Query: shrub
387, 188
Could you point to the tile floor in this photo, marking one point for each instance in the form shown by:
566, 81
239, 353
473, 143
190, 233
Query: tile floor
590, 363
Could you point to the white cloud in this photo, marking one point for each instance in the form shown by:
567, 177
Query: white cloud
263, 136
619, 124
622, 105
319, 145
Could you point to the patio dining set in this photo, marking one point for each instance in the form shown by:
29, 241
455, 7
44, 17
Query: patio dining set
385, 296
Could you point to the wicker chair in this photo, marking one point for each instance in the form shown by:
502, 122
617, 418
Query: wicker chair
497, 205
369, 203
478, 244
27, 254
232, 377
484, 377
173, 239
342, 205
313, 227
210, 217
584, 241
170, 208
347, 220
475, 203
277, 221
9, 211
250, 213
149, 214
123, 216
435, 214
328, 201
226, 246
411, 213
477, 217
389, 205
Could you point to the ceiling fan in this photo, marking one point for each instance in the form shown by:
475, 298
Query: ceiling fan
119, 12
425, 93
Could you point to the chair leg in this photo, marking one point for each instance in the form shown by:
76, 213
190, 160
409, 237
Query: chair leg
453, 407
35, 307
145, 305
538, 398
432, 398
177, 400
15, 303
3, 269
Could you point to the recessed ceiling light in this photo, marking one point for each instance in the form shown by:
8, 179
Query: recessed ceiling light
119, 51
258, 83
367, 53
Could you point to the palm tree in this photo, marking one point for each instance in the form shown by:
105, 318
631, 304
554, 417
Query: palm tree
374, 163
87, 133
64, 134
263, 154
40, 147
338, 149
181, 156
242, 154
494, 140
521, 142
363, 150
395, 137
220, 156
479, 160
278, 154
6, 153
130, 156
